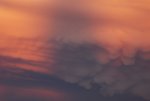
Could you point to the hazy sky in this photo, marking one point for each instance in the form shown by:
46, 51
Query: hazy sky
79, 50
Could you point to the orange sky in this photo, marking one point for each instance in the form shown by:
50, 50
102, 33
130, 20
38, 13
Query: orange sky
26, 26
115, 24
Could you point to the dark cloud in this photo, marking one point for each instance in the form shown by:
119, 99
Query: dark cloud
104, 48
29, 85
79, 64
74, 63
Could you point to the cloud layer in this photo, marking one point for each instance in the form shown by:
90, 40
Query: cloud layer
106, 44
111, 50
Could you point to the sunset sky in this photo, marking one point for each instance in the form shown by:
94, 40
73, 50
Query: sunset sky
77, 50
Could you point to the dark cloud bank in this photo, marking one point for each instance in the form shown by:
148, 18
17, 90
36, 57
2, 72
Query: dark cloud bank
78, 65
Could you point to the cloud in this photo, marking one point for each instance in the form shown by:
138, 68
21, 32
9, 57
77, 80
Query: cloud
22, 84
106, 44
79, 64
112, 52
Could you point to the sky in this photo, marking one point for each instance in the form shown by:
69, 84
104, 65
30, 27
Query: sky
79, 50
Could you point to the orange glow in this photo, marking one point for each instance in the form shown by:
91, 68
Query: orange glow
22, 24
116, 25
120, 27
125, 26
27, 49
24, 32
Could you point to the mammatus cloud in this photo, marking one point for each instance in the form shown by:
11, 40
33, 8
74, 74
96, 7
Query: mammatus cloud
99, 43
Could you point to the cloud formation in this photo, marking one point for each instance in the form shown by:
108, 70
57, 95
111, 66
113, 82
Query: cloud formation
104, 43
112, 51
82, 66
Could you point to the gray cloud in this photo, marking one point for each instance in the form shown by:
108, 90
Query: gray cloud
106, 46
79, 64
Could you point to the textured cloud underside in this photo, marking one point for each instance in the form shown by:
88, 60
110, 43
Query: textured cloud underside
95, 43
